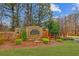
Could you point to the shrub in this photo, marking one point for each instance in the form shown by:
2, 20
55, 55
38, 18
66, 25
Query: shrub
68, 38
53, 27
59, 40
45, 40
18, 41
23, 36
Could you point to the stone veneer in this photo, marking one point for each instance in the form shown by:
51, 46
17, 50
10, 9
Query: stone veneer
36, 36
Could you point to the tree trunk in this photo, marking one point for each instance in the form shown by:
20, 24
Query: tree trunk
13, 22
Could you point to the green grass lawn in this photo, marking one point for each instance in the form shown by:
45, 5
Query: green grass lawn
69, 48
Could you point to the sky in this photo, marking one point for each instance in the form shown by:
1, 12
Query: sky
64, 9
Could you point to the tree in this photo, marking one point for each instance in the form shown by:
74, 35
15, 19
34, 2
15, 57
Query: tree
12, 11
29, 14
41, 12
25, 14
1, 16
53, 27
44, 13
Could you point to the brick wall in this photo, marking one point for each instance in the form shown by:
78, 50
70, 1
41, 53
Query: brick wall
7, 36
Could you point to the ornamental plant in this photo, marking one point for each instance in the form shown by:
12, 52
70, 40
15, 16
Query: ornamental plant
53, 27
45, 40
24, 36
59, 40
18, 41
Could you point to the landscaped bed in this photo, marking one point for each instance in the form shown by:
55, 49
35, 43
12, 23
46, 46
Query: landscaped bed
28, 44
68, 48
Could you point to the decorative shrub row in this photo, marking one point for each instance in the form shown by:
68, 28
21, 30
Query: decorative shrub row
59, 40
68, 38
18, 41
45, 40
23, 38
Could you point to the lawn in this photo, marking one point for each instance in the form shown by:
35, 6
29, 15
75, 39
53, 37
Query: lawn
69, 48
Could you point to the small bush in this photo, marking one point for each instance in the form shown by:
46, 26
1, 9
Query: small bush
68, 38
23, 36
45, 40
18, 41
59, 40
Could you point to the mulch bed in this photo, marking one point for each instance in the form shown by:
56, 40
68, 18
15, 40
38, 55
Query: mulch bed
28, 44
